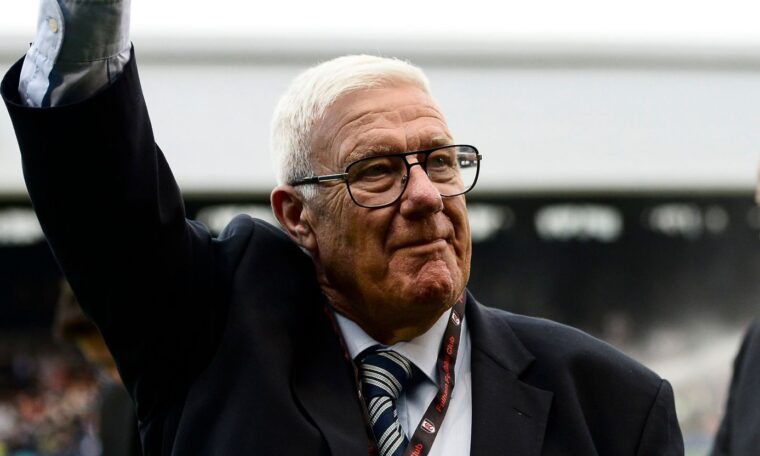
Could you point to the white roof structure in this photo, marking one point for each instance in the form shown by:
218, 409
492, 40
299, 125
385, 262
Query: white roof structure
558, 96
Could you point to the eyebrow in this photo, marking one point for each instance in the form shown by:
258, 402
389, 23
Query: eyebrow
370, 151
382, 149
441, 141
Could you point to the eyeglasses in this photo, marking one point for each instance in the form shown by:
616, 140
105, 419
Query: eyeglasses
380, 180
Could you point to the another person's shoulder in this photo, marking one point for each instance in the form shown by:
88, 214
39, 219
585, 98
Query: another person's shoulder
752, 337
737, 434
747, 363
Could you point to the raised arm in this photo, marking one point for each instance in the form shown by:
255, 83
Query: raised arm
108, 203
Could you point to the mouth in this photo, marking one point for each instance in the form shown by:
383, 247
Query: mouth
432, 243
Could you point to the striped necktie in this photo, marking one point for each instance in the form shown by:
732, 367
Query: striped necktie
383, 375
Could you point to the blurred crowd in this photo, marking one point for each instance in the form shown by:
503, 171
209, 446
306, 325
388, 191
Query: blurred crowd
48, 399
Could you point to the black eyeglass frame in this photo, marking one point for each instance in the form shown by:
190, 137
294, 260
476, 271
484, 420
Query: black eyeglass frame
326, 178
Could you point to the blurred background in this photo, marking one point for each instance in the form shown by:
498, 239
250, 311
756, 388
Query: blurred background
620, 148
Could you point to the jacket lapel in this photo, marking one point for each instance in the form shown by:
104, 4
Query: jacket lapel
324, 383
508, 415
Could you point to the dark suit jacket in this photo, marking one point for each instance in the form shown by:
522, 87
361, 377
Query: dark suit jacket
225, 343
739, 433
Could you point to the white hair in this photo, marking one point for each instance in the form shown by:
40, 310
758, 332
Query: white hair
312, 92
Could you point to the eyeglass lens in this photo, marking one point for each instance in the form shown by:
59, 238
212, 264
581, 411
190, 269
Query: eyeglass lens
377, 181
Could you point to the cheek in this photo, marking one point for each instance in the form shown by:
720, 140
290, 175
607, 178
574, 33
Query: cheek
457, 213
463, 242
351, 236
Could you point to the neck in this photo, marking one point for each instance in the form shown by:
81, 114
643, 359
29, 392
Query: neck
391, 336
387, 331
384, 323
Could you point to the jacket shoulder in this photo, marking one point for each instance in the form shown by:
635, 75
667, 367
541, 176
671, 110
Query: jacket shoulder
243, 225
244, 232
564, 357
600, 395
261, 248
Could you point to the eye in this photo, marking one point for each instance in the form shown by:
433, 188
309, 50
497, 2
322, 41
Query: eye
374, 169
441, 159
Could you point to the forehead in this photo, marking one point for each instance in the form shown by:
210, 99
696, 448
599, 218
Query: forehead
383, 120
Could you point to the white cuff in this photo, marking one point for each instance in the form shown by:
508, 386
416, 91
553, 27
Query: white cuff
81, 45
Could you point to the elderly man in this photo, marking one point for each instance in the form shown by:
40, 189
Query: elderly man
349, 331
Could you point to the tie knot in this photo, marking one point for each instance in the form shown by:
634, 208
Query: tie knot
384, 373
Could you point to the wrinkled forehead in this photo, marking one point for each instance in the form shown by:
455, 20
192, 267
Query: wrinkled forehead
392, 119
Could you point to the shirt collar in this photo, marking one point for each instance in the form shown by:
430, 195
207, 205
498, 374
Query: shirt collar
422, 351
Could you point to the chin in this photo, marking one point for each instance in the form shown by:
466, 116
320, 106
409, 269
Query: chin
434, 286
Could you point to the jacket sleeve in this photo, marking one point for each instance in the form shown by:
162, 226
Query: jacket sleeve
114, 218
662, 435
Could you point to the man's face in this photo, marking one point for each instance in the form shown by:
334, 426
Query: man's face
393, 267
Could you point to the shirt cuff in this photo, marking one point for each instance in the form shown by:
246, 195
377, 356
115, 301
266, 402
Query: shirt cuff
81, 45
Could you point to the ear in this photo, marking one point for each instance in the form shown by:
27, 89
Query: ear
288, 207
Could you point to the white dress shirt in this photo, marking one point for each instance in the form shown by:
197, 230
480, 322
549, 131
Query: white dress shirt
454, 435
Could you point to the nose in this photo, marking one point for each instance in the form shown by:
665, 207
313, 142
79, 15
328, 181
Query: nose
420, 198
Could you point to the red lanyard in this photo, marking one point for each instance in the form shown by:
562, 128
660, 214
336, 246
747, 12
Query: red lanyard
430, 424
